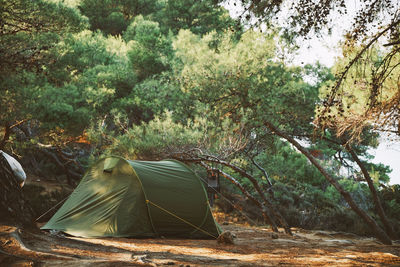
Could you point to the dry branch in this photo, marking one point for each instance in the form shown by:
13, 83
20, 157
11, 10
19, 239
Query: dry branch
265, 210
269, 211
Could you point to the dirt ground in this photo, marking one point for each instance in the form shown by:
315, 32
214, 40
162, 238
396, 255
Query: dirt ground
253, 246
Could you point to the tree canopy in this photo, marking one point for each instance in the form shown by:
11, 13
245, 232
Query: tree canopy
370, 56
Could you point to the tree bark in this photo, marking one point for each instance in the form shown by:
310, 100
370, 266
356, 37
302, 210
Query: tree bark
380, 234
263, 170
61, 161
378, 205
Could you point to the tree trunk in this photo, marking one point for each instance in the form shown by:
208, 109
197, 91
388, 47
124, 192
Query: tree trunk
377, 202
282, 220
6, 136
60, 159
14, 208
380, 234
268, 217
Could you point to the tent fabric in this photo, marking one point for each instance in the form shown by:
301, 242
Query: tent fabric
122, 198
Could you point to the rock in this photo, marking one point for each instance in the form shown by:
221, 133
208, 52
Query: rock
339, 242
16, 168
14, 208
226, 238
323, 234
56, 233
140, 258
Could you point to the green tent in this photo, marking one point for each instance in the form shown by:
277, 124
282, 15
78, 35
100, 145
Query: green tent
123, 198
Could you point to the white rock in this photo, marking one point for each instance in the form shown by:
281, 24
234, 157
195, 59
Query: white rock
15, 167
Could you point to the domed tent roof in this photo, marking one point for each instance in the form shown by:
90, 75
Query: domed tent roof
123, 198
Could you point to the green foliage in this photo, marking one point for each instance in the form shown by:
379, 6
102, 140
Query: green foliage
82, 84
200, 17
143, 31
60, 108
114, 23
113, 17
151, 140
244, 78
149, 51
147, 99
309, 207
391, 196
286, 165
379, 172
80, 52
17, 92
29, 29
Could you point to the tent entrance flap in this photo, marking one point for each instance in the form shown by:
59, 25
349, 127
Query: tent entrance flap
122, 198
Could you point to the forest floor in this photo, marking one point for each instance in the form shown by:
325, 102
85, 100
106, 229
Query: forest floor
253, 246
